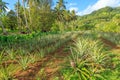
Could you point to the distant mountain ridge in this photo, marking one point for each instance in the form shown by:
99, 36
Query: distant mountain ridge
106, 12
104, 18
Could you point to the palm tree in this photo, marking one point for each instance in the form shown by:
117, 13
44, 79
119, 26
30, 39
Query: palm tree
59, 9
61, 5
73, 15
17, 7
40, 7
3, 8
26, 22
30, 5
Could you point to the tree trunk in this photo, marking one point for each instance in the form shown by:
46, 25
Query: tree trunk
3, 29
26, 22
18, 14
30, 19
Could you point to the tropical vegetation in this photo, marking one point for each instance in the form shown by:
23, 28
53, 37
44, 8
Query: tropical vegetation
42, 42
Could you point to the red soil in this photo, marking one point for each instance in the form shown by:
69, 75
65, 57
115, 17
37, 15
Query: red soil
51, 64
109, 43
56, 58
32, 70
7, 63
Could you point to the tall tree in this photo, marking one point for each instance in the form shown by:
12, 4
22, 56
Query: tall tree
60, 7
25, 15
3, 8
12, 20
18, 18
39, 12
17, 10
73, 15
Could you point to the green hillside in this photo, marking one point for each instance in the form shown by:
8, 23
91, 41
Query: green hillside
104, 18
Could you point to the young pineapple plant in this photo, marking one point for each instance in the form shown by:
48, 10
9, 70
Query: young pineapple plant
88, 59
1, 56
11, 54
24, 61
6, 73
79, 60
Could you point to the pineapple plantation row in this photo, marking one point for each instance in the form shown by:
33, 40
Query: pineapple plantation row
18, 56
62, 56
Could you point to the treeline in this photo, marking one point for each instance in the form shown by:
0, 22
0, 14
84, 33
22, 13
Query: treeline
40, 15
36, 15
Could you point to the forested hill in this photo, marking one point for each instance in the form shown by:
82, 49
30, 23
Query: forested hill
103, 13
107, 17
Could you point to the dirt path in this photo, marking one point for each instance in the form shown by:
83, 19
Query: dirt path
31, 71
109, 43
52, 67
51, 64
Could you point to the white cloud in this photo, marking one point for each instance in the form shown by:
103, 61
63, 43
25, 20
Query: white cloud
72, 4
73, 8
100, 4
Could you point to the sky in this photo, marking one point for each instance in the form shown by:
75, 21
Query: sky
82, 7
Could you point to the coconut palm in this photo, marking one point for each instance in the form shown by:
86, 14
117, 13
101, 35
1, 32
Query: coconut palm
18, 11
60, 7
3, 8
25, 15
17, 8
